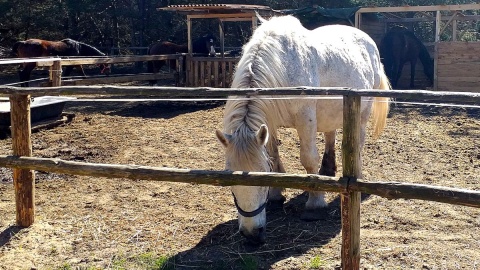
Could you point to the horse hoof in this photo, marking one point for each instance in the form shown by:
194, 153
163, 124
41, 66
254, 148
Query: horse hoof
276, 203
314, 214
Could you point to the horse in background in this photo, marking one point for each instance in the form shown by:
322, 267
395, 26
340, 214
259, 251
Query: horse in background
283, 53
399, 46
43, 48
204, 45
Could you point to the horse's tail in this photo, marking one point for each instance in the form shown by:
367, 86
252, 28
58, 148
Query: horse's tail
381, 106
14, 51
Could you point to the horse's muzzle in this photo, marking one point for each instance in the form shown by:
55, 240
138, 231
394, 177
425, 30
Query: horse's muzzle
256, 237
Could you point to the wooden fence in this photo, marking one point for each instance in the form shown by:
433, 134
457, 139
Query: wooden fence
348, 185
55, 65
210, 72
199, 71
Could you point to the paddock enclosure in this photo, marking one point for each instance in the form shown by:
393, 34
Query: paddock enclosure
85, 221
448, 31
96, 221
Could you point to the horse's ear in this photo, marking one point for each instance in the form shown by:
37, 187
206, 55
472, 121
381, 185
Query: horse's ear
262, 135
223, 137
262, 20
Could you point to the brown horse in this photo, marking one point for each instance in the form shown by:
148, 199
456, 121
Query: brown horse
38, 48
399, 46
203, 45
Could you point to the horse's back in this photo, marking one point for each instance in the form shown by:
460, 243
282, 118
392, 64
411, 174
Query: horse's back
166, 47
30, 48
348, 57
282, 53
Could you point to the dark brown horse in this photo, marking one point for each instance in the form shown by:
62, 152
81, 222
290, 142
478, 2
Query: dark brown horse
38, 48
399, 46
204, 45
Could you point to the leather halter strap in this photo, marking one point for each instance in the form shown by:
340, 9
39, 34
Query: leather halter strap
252, 213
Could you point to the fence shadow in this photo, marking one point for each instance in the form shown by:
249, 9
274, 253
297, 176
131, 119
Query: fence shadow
432, 110
8, 234
287, 236
143, 109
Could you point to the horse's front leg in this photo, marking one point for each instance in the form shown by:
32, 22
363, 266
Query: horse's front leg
80, 67
68, 71
275, 197
309, 157
413, 63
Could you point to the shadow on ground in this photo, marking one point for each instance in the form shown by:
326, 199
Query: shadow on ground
143, 109
287, 236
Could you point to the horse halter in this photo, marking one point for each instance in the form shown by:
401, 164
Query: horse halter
259, 209
251, 213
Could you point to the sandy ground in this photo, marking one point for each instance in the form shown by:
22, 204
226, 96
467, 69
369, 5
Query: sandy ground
99, 223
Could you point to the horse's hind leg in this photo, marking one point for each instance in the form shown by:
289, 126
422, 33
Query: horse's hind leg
329, 166
24, 74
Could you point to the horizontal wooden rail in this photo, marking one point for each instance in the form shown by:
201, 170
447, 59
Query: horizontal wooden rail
110, 60
390, 190
197, 92
48, 60
215, 59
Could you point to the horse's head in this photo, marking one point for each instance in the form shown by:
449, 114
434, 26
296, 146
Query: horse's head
245, 150
429, 68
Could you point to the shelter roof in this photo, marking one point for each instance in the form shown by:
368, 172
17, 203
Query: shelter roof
217, 9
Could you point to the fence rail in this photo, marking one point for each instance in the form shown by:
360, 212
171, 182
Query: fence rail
349, 186
389, 190
208, 92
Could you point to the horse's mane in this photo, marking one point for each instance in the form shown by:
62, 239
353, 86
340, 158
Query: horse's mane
403, 35
88, 50
423, 55
262, 65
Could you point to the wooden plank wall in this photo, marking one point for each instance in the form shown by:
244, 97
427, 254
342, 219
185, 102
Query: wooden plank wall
210, 72
458, 66
376, 29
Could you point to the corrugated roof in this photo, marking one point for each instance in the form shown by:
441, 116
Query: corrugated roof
215, 8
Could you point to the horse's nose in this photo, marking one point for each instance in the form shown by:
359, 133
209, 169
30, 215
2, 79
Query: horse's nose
256, 237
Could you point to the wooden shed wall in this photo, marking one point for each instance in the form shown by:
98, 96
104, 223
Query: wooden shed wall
377, 29
458, 66
374, 28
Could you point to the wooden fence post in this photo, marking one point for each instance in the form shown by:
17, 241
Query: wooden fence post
350, 201
180, 72
56, 73
23, 180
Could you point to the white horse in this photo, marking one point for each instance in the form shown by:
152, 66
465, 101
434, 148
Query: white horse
282, 53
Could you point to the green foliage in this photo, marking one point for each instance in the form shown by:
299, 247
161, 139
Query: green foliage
316, 263
138, 22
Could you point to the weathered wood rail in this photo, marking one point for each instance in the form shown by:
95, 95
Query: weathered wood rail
197, 71
349, 185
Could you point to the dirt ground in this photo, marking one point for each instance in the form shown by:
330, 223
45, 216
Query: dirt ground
99, 223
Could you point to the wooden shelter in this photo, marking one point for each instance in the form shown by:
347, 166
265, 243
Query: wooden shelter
456, 60
217, 71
